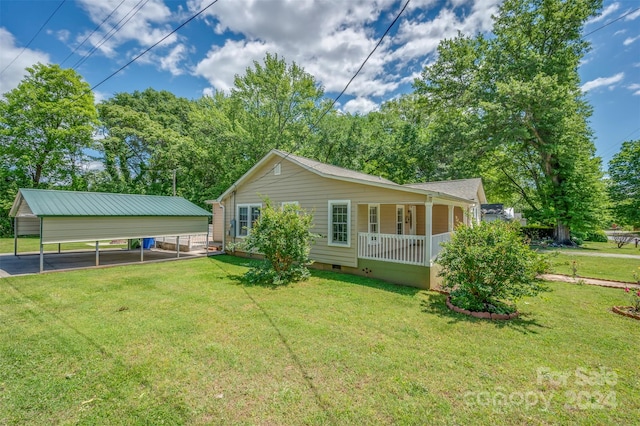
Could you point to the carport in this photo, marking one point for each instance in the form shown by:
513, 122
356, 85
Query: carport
72, 216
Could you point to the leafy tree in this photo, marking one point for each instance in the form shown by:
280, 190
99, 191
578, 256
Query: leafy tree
279, 103
141, 132
624, 188
513, 104
45, 124
283, 235
489, 267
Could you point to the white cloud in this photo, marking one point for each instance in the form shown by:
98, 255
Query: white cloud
630, 40
619, 32
223, 63
635, 88
330, 39
146, 23
606, 12
12, 75
632, 16
62, 35
172, 61
602, 82
360, 105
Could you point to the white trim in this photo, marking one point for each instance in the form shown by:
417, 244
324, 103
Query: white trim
330, 205
249, 207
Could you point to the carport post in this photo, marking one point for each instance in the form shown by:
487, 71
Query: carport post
15, 236
206, 246
41, 249
58, 248
141, 250
97, 254
178, 246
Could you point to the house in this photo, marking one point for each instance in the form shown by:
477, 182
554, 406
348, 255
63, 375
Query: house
368, 225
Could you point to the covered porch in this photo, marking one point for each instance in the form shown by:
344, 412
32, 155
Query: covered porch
407, 233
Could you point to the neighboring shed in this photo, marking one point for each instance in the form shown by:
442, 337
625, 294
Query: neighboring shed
70, 216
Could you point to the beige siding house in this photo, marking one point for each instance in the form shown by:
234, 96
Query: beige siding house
368, 225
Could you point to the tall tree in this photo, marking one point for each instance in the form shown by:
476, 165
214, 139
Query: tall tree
514, 102
624, 188
141, 131
279, 102
45, 125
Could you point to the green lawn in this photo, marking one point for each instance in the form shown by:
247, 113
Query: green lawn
607, 268
185, 342
28, 245
609, 247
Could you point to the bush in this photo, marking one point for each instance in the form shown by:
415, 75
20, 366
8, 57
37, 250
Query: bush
284, 237
537, 232
597, 236
489, 267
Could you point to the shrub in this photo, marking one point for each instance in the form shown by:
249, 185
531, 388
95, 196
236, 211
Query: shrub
489, 267
537, 232
283, 235
597, 236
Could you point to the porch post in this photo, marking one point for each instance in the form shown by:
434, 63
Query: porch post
428, 231
450, 225
15, 236
41, 249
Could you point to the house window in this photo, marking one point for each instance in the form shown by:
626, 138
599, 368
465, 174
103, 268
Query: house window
339, 223
247, 214
277, 169
374, 226
399, 220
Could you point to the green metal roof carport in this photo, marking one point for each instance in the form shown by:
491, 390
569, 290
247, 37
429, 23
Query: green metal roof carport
72, 216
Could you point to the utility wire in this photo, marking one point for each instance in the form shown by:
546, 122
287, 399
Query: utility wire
92, 33
157, 43
611, 22
113, 31
34, 37
315, 124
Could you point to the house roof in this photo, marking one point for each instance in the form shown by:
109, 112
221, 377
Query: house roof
328, 169
41, 202
463, 188
340, 173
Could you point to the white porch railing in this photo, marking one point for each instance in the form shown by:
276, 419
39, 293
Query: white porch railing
435, 243
407, 249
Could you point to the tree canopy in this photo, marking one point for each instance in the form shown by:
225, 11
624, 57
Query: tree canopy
512, 104
624, 188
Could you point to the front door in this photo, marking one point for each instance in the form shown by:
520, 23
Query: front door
412, 220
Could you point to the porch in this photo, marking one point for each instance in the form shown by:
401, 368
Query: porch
406, 233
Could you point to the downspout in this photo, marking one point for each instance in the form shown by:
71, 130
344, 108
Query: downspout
224, 234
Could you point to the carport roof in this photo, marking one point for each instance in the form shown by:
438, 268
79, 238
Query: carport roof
43, 202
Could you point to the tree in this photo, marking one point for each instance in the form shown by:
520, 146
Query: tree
283, 236
624, 187
513, 102
489, 267
45, 125
279, 103
141, 133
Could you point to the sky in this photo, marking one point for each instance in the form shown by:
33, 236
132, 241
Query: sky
328, 38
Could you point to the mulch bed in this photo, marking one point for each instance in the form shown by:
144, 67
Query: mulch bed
483, 315
626, 311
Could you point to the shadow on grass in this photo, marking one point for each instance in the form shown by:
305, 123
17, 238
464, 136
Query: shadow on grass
434, 303
315, 273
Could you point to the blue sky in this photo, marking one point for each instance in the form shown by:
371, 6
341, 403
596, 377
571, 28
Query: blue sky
329, 38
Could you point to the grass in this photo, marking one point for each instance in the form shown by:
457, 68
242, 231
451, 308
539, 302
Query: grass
29, 245
608, 268
185, 342
608, 247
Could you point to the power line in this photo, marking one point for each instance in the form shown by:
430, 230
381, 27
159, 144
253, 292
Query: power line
611, 22
157, 43
92, 32
345, 87
34, 37
113, 31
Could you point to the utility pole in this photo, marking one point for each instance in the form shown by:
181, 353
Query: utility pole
174, 182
